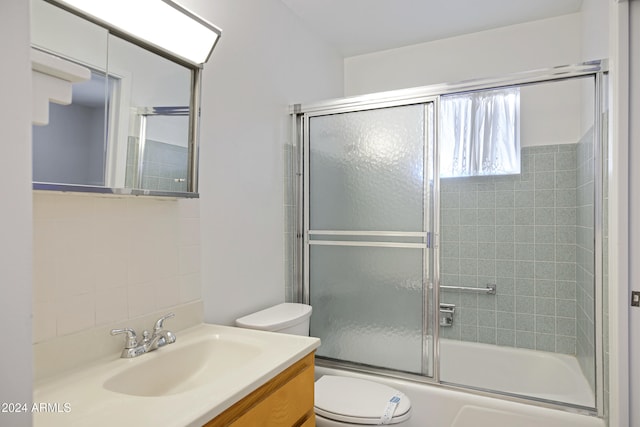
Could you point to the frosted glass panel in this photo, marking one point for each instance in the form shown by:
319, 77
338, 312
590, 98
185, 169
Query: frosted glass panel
368, 305
366, 170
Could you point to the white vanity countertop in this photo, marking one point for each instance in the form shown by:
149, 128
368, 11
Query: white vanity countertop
81, 397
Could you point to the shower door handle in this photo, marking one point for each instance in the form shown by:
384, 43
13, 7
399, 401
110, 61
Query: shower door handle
432, 240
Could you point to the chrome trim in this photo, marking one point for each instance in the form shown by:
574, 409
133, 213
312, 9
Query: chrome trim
598, 200
300, 201
194, 131
490, 289
422, 94
295, 109
446, 315
374, 370
428, 327
305, 221
296, 189
367, 244
70, 188
525, 399
164, 111
134, 347
435, 284
367, 233
372, 105
425, 356
142, 141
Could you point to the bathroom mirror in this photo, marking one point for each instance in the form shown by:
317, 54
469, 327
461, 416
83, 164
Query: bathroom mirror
130, 129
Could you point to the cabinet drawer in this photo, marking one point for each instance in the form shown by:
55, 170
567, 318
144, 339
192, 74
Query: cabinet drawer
284, 401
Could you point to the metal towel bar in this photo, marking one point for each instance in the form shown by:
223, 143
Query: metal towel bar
490, 289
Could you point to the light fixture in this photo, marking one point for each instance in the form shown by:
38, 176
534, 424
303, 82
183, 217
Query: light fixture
162, 23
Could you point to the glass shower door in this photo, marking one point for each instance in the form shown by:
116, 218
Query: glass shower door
366, 236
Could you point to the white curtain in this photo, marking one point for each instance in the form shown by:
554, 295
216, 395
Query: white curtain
480, 133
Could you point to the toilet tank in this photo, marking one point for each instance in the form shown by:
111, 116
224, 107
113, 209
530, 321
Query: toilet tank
287, 318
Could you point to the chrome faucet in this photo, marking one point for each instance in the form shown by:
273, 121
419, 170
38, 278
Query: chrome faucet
160, 338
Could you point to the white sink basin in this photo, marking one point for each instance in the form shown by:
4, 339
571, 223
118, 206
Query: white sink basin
169, 371
185, 384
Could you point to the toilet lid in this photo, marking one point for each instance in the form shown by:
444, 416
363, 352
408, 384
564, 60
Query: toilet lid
358, 401
276, 318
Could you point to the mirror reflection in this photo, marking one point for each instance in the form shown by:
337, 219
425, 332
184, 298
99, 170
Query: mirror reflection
129, 127
71, 148
160, 161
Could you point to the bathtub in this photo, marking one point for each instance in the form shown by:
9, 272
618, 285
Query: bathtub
539, 374
543, 375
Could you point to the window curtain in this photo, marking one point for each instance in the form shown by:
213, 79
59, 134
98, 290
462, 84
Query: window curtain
480, 133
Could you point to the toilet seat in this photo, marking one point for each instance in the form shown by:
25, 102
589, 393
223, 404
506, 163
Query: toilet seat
357, 401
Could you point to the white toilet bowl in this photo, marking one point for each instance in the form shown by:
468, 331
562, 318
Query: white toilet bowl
339, 401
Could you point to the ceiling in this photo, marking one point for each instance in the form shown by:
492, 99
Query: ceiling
356, 27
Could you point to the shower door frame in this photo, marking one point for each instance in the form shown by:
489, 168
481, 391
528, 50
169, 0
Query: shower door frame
422, 95
429, 169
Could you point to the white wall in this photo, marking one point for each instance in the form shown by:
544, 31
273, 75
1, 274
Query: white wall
264, 61
538, 44
556, 104
15, 215
595, 29
497, 52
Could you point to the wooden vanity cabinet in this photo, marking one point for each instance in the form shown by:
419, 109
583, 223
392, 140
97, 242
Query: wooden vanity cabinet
284, 401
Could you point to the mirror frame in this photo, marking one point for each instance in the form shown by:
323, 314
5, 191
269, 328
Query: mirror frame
194, 122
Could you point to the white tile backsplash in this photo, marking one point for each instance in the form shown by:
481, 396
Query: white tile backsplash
190, 287
111, 305
167, 293
190, 231
106, 259
75, 313
190, 259
141, 298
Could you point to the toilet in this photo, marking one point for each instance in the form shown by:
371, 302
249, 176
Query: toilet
339, 400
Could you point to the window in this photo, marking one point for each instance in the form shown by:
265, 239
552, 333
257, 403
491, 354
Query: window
480, 133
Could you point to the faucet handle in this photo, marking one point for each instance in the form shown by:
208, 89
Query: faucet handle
160, 322
132, 339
